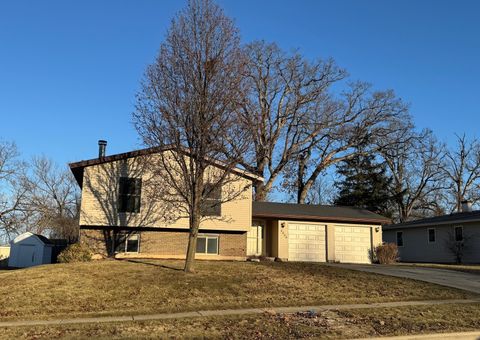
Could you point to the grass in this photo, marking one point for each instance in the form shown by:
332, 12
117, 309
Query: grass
468, 268
125, 287
328, 324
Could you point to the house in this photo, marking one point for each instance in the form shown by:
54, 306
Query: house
117, 217
29, 249
4, 255
439, 239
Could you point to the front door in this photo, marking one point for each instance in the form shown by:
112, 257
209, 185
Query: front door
255, 240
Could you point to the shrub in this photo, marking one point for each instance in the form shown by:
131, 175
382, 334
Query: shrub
77, 252
386, 253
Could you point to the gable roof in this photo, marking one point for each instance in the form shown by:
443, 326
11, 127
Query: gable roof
28, 234
316, 213
78, 167
453, 218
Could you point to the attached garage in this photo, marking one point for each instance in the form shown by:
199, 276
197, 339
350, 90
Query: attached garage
317, 233
306, 242
353, 244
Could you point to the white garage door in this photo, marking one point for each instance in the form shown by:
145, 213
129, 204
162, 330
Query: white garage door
352, 244
306, 242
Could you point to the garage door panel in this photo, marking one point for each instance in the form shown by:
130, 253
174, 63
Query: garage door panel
306, 242
352, 244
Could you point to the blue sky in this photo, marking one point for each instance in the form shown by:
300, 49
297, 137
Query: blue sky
69, 70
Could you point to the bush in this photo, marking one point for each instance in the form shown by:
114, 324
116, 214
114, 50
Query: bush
386, 253
77, 252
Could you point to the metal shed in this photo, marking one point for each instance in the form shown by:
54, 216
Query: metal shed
29, 249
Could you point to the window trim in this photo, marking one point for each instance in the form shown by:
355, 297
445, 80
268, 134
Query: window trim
125, 243
134, 196
455, 233
396, 239
434, 235
209, 236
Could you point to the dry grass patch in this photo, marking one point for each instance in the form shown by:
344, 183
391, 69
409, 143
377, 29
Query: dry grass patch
467, 268
324, 325
125, 287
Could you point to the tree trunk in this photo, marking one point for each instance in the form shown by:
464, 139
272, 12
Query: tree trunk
192, 242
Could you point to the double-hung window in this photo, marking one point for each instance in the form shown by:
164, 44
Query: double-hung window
458, 233
207, 244
129, 194
212, 198
127, 242
400, 238
431, 235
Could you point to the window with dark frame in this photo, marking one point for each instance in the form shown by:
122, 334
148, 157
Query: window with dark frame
127, 242
431, 235
129, 194
400, 238
458, 233
212, 200
207, 245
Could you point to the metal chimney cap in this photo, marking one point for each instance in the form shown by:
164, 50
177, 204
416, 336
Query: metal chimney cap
102, 142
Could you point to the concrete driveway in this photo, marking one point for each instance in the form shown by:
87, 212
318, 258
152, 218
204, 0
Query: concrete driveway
444, 277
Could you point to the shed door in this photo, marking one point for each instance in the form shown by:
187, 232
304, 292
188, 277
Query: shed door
352, 244
27, 256
306, 242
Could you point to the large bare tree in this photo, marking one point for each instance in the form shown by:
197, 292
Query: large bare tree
285, 91
53, 199
355, 120
188, 107
13, 191
462, 170
414, 161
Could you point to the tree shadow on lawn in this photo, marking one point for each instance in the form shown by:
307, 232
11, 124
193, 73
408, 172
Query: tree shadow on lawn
145, 262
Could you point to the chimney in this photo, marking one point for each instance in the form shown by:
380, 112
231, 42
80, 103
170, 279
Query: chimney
102, 145
466, 206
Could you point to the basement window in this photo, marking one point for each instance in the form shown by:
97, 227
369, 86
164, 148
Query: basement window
399, 238
207, 245
431, 235
129, 193
127, 242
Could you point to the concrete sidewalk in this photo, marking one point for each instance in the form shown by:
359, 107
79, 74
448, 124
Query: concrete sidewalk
223, 312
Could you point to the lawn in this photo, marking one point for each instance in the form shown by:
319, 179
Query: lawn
468, 268
126, 287
328, 324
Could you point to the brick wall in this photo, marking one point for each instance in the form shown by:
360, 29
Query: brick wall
166, 242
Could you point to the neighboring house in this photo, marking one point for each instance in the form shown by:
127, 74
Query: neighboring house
29, 249
118, 217
4, 255
438, 239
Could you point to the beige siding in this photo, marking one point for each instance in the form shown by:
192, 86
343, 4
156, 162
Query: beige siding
100, 197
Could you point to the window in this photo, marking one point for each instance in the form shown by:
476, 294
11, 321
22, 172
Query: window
129, 194
458, 233
212, 200
431, 235
400, 238
127, 242
207, 245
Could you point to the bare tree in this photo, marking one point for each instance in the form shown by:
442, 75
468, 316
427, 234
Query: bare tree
462, 170
285, 90
53, 199
188, 107
359, 119
13, 191
414, 161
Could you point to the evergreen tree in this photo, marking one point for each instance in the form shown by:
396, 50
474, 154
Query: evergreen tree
364, 184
